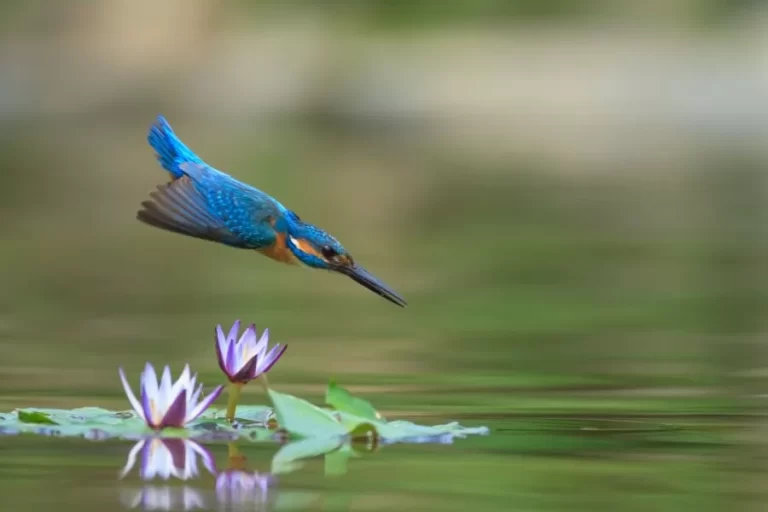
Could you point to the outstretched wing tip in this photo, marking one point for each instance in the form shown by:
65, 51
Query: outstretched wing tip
178, 207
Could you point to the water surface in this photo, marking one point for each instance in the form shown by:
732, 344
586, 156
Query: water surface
527, 463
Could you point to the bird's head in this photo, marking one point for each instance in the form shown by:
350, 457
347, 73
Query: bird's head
317, 249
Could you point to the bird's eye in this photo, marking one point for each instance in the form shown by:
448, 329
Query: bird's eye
329, 252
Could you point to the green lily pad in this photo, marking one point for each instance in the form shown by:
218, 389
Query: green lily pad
89, 416
35, 417
353, 417
98, 423
342, 400
404, 431
301, 418
253, 413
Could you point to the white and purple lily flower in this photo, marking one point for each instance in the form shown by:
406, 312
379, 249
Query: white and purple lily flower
164, 458
245, 359
167, 404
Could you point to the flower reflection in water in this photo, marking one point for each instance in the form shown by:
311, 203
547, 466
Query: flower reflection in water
239, 487
166, 458
153, 497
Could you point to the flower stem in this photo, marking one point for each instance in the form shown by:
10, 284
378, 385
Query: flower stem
234, 397
264, 382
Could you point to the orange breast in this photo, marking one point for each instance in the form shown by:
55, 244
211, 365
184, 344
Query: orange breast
279, 251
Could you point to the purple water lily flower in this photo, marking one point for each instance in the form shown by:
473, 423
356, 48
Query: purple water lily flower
167, 404
245, 359
164, 458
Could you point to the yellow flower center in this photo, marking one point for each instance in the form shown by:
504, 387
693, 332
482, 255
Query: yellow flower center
246, 353
153, 412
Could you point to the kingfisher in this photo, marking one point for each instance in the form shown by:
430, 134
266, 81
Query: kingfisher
202, 202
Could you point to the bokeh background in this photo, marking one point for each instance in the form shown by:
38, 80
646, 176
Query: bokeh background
571, 194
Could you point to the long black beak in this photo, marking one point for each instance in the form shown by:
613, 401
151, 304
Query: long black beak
366, 279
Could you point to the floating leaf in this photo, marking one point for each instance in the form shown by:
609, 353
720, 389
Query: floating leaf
342, 400
301, 418
412, 432
91, 416
35, 417
287, 458
405, 431
97, 423
254, 413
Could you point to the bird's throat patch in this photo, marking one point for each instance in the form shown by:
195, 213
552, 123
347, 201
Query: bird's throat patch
279, 251
305, 247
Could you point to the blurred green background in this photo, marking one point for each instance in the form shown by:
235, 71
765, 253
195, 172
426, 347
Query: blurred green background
571, 195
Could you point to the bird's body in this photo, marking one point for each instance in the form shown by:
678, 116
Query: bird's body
205, 203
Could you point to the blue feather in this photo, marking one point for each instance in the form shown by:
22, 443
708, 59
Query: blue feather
171, 152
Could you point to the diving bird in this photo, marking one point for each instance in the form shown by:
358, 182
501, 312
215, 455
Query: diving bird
208, 204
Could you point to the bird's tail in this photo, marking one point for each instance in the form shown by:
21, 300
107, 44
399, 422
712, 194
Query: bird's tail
171, 152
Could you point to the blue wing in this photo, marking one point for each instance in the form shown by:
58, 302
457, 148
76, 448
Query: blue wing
205, 203
208, 204
246, 211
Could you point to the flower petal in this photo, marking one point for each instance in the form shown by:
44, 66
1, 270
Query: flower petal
247, 372
129, 393
222, 349
177, 412
261, 346
149, 380
245, 348
249, 336
274, 355
149, 405
192, 393
220, 337
164, 393
182, 383
204, 404
192, 400
232, 336
231, 360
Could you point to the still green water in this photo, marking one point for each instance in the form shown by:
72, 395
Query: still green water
606, 329
524, 464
